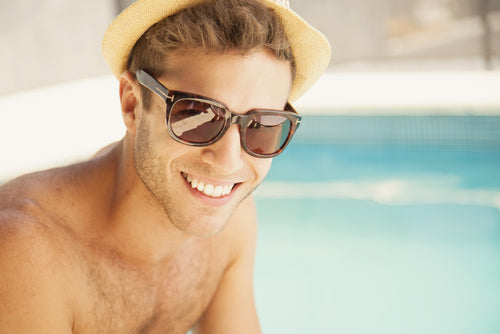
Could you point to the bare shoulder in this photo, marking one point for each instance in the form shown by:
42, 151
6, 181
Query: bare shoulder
24, 230
20, 210
32, 282
31, 211
24, 203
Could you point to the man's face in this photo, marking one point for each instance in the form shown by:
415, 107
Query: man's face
200, 187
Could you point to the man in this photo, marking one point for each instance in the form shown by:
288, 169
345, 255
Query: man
156, 233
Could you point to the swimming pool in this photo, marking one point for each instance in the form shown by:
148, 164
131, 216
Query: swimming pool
369, 224
382, 224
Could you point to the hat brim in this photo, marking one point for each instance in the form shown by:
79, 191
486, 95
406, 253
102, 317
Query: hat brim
310, 47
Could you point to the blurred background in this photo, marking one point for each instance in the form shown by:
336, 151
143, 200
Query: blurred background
382, 216
52, 41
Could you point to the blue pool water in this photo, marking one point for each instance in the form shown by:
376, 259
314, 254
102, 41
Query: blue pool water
382, 225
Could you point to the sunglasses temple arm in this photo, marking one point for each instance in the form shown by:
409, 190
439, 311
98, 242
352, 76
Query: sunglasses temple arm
148, 81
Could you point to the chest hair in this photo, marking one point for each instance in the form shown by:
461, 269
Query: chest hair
168, 298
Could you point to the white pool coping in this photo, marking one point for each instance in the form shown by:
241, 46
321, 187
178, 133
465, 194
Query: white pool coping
409, 92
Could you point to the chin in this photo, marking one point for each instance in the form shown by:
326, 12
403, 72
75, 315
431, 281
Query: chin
203, 226
196, 219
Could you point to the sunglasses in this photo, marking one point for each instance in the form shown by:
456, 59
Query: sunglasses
196, 120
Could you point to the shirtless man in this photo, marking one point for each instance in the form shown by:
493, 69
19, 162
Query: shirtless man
156, 233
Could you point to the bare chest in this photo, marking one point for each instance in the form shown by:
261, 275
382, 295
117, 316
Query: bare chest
169, 299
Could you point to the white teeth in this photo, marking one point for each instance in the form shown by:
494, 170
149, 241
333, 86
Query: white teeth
218, 191
201, 186
207, 188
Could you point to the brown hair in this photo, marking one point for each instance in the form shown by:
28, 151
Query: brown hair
236, 26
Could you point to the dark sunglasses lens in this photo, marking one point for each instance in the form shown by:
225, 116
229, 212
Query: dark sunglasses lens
267, 134
196, 121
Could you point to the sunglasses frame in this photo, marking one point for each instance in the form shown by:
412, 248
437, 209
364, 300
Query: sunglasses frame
171, 97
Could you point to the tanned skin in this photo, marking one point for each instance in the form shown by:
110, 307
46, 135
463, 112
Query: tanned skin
122, 243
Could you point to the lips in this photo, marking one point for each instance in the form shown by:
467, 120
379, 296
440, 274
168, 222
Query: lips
208, 189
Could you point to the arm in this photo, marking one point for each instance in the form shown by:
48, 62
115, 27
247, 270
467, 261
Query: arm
31, 297
232, 309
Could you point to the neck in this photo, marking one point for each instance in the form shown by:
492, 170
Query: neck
137, 225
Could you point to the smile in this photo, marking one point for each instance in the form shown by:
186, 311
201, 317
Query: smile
208, 189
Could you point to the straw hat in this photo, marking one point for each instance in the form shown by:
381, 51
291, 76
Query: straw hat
310, 48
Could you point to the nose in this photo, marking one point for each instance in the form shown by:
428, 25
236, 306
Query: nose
226, 155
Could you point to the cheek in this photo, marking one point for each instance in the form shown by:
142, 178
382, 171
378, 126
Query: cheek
261, 167
153, 123
154, 116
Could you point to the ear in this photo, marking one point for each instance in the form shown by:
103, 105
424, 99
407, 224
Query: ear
129, 99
